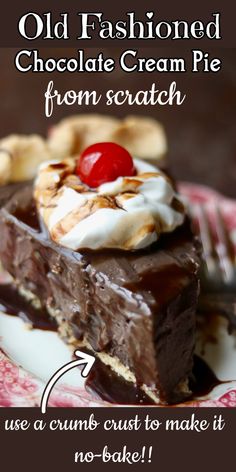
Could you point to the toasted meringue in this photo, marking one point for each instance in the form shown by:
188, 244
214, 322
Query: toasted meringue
142, 137
129, 213
20, 156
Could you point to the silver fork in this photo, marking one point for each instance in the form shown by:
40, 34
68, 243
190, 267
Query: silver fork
218, 272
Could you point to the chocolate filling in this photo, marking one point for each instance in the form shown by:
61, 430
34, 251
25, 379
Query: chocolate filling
137, 307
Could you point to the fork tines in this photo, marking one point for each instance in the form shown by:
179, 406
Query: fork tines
218, 249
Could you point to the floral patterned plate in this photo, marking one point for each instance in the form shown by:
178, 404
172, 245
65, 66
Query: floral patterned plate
28, 358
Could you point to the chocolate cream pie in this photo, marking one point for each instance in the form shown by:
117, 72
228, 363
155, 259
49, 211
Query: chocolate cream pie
102, 243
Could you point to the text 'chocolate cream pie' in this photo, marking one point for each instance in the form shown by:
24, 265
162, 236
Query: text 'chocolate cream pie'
103, 245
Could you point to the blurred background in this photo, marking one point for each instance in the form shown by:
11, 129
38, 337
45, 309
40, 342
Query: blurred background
201, 133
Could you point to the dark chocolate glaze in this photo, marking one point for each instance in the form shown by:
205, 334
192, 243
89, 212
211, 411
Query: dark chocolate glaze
12, 303
108, 386
203, 379
102, 381
28, 216
104, 384
137, 306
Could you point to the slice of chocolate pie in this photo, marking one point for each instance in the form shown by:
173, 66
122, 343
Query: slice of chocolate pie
105, 247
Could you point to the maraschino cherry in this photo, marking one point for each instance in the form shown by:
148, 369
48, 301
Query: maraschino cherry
104, 162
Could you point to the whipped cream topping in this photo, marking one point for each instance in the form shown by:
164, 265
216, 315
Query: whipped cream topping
129, 213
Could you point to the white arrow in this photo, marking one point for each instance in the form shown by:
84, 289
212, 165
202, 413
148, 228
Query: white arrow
84, 359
